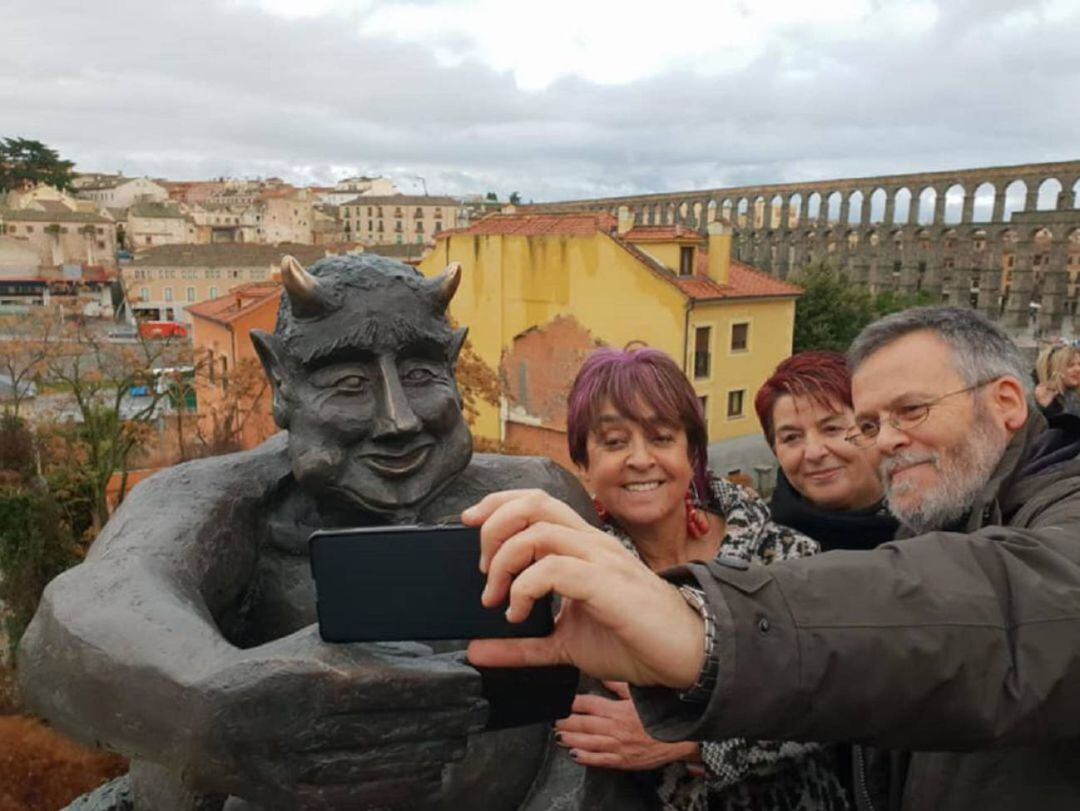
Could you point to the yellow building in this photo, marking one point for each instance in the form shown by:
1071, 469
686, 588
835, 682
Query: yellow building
540, 291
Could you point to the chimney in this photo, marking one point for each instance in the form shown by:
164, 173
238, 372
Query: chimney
719, 252
626, 220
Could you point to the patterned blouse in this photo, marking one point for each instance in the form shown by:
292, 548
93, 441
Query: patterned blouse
741, 775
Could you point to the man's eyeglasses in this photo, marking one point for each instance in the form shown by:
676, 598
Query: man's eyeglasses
902, 418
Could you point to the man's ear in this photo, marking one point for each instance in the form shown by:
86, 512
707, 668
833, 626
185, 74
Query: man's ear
272, 355
456, 342
1011, 402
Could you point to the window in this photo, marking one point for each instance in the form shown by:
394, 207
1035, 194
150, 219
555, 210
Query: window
400, 239
702, 338
191, 294
213, 292
735, 403
740, 337
686, 260
144, 294
168, 294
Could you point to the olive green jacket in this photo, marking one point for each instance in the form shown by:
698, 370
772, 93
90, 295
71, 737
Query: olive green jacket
962, 648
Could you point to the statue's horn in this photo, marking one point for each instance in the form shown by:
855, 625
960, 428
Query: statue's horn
447, 284
305, 297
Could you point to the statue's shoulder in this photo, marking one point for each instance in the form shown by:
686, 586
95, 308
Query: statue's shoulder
489, 473
216, 478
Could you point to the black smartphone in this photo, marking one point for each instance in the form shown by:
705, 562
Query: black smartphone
389, 584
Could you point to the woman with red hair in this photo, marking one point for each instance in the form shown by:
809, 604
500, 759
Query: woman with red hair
826, 487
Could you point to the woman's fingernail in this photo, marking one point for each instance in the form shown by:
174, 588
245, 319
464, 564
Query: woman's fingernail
468, 514
558, 737
573, 754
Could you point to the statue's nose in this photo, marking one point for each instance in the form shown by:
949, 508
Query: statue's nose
395, 416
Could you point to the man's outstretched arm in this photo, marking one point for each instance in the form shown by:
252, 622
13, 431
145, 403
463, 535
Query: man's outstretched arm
942, 641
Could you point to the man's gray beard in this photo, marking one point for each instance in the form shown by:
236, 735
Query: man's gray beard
963, 472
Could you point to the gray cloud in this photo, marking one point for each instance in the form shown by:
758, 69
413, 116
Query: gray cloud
199, 89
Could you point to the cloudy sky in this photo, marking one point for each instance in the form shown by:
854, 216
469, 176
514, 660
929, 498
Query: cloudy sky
552, 98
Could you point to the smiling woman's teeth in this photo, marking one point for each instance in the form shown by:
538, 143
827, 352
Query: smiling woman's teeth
639, 487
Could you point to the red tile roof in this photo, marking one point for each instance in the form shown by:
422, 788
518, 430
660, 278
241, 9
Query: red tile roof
239, 301
662, 233
534, 225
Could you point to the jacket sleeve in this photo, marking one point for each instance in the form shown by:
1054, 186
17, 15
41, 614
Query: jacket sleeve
944, 641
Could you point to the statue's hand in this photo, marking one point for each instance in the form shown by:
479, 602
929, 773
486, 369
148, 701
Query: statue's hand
299, 723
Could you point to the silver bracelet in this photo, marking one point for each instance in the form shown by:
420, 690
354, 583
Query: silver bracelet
701, 690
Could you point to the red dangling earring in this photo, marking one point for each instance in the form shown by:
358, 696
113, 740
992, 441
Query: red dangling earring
697, 523
601, 510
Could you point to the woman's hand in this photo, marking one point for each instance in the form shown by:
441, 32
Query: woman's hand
1046, 392
607, 733
618, 619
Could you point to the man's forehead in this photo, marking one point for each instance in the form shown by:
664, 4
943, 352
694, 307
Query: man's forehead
920, 363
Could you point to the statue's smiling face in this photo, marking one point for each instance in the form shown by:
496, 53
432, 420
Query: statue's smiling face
362, 366
381, 428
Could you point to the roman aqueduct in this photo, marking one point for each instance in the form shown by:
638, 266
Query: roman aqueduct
1003, 239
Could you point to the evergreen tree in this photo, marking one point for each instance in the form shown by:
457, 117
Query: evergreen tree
25, 163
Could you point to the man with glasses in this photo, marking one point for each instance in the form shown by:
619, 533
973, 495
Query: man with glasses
957, 648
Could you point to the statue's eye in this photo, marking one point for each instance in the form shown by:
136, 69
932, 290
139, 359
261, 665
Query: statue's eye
352, 382
419, 375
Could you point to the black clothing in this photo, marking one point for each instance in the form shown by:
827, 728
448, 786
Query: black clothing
832, 529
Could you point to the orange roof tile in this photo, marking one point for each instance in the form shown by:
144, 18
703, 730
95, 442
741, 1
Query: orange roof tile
534, 225
237, 302
662, 233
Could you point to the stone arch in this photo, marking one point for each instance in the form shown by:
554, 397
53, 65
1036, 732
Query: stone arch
855, 208
834, 201
1076, 194
741, 213
794, 211
710, 211
726, 211
758, 212
873, 238
902, 200
954, 204
669, 214
774, 211
1049, 191
682, 211
878, 199
852, 239
924, 207
1015, 196
695, 211
813, 206
983, 206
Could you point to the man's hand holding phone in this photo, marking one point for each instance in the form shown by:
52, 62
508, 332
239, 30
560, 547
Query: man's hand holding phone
618, 621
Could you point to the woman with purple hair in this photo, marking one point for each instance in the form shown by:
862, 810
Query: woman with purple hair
637, 434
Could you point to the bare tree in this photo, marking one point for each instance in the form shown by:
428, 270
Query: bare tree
26, 344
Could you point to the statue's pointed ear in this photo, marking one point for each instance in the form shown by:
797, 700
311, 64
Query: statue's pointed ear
271, 354
456, 342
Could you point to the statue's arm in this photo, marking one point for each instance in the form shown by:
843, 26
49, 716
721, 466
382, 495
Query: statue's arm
119, 641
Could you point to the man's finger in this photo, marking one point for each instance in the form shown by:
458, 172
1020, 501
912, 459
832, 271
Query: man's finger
519, 552
513, 515
515, 652
566, 576
619, 688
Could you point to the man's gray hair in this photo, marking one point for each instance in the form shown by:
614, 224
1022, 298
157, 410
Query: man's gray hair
981, 349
